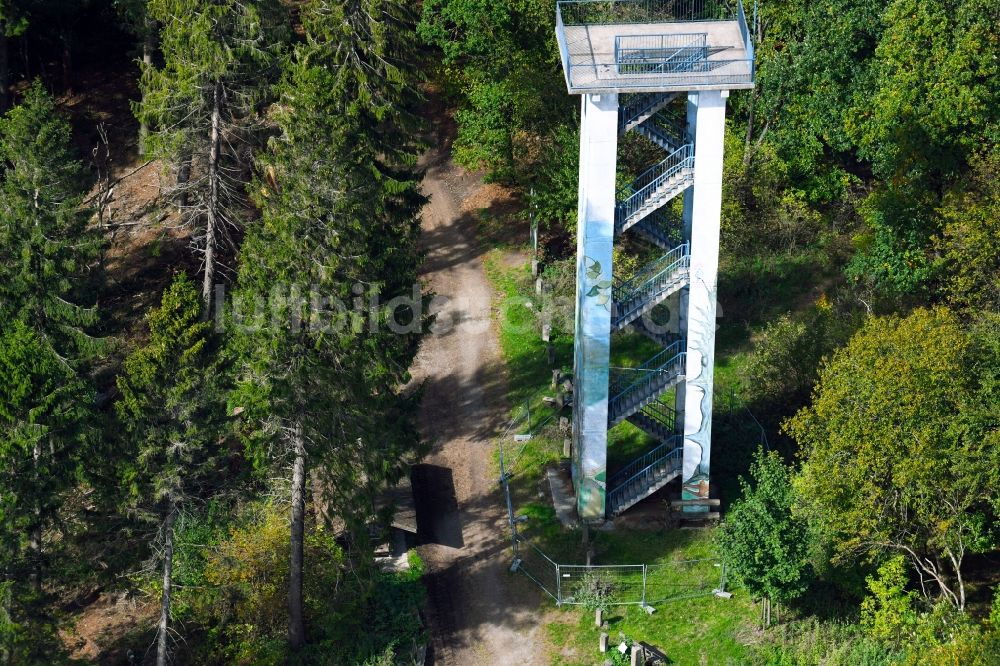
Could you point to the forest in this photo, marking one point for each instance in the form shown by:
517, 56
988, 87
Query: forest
210, 209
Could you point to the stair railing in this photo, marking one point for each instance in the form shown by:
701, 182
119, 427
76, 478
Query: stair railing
643, 187
644, 478
668, 363
645, 461
653, 276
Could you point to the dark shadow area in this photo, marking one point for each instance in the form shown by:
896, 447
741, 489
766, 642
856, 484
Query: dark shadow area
438, 520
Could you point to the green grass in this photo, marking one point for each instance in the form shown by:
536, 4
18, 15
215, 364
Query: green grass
702, 629
519, 331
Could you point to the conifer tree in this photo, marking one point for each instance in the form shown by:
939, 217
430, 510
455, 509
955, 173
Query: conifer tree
45, 257
339, 203
46, 250
170, 408
203, 108
44, 424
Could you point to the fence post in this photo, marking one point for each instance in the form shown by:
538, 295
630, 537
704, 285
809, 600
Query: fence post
643, 585
558, 586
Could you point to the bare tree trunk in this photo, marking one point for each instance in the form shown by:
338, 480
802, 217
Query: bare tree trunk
183, 177
148, 47
67, 65
4, 69
35, 534
212, 214
296, 623
168, 568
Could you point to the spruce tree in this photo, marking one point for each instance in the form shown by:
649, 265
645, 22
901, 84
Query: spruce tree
170, 407
45, 418
203, 109
46, 253
339, 204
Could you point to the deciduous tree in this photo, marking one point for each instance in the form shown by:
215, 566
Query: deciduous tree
761, 541
900, 446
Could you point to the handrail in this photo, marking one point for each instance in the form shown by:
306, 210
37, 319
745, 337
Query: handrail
649, 181
676, 357
660, 413
643, 462
616, 496
603, 73
656, 361
636, 105
679, 257
563, 47
745, 33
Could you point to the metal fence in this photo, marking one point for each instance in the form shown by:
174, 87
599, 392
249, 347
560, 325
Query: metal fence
643, 585
619, 584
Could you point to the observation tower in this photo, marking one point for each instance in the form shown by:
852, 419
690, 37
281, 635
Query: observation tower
662, 69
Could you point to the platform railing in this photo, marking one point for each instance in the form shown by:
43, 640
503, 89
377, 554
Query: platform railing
612, 12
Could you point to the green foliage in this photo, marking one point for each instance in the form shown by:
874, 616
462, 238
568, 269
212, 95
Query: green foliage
502, 59
934, 95
231, 574
813, 641
204, 44
969, 240
554, 191
328, 225
814, 61
171, 405
596, 591
764, 545
47, 420
890, 612
899, 403
46, 250
786, 358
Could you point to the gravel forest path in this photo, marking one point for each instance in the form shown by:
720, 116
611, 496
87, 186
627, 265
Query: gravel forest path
479, 613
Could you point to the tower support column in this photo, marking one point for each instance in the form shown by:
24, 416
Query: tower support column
595, 239
709, 111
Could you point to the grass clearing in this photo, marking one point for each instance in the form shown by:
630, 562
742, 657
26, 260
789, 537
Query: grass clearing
694, 630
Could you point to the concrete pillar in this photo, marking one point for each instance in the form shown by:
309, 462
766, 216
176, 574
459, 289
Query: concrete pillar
595, 236
687, 215
706, 208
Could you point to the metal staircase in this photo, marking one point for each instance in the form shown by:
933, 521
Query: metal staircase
631, 389
654, 331
642, 206
637, 109
662, 228
654, 188
657, 420
650, 286
644, 476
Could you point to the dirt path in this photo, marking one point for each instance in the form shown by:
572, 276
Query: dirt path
480, 614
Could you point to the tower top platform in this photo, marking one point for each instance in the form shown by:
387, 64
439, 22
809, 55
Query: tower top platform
637, 46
